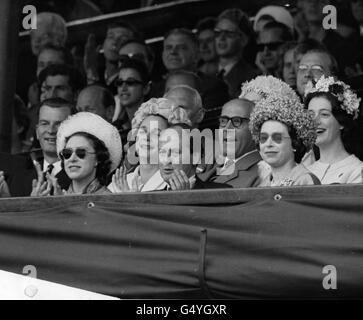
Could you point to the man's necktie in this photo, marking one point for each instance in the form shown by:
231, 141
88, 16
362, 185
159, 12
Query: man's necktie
220, 74
50, 168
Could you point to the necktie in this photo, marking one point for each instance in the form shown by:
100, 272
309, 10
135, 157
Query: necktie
220, 74
50, 168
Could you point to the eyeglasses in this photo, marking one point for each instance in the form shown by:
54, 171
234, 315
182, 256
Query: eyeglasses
316, 70
275, 137
128, 82
237, 122
80, 153
272, 46
228, 33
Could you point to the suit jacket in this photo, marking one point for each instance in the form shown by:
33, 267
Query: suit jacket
22, 174
241, 72
199, 184
245, 174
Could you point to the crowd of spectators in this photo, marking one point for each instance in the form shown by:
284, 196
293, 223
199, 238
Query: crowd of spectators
282, 90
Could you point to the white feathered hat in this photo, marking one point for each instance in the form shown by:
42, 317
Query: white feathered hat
95, 125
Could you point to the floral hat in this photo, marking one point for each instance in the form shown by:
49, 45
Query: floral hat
266, 85
348, 99
287, 111
160, 107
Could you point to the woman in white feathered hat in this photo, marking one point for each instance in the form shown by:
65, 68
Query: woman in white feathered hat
90, 149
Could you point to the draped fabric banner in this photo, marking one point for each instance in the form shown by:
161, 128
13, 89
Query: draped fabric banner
271, 243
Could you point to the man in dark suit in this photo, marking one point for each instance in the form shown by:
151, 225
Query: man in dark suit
239, 164
232, 34
51, 114
180, 52
178, 162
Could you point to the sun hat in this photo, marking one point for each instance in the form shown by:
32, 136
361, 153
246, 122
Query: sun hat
95, 125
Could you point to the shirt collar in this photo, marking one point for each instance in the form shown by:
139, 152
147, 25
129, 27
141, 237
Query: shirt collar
57, 167
227, 68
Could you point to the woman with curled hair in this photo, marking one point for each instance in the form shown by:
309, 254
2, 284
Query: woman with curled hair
150, 119
335, 108
283, 132
89, 148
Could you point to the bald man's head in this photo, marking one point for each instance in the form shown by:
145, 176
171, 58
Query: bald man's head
188, 99
98, 100
236, 116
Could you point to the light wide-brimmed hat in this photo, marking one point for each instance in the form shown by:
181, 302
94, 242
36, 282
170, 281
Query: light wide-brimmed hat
278, 13
95, 125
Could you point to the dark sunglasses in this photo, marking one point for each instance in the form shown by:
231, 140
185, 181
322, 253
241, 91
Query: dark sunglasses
237, 122
276, 137
272, 46
80, 153
128, 82
227, 33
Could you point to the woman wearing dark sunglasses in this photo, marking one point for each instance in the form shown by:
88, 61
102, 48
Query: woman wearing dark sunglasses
89, 148
283, 131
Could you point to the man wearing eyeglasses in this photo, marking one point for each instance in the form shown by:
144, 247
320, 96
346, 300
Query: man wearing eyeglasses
232, 34
270, 41
239, 168
312, 66
52, 113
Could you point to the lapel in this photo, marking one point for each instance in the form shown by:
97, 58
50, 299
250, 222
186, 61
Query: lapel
241, 165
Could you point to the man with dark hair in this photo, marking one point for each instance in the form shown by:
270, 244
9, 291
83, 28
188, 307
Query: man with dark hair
270, 40
181, 53
138, 49
51, 114
233, 33
60, 81
207, 48
97, 99
103, 67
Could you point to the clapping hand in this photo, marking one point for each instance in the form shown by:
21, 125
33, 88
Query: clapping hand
179, 181
119, 181
40, 188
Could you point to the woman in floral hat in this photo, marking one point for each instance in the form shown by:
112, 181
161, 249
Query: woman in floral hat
150, 119
284, 132
335, 107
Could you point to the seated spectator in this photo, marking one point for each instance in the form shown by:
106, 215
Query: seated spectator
239, 168
48, 55
60, 81
269, 46
180, 52
103, 67
314, 64
263, 86
284, 131
150, 119
90, 149
133, 85
137, 49
4, 190
182, 77
273, 13
177, 160
207, 49
188, 99
98, 100
335, 108
51, 30
51, 114
233, 33
312, 24
288, 64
